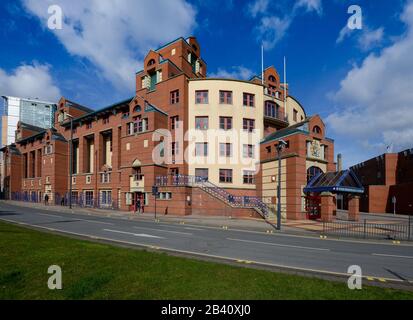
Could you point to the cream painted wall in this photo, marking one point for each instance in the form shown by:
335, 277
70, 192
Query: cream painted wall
214, 136
269, 188
291, 105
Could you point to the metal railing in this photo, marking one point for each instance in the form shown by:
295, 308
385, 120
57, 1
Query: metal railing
57, 199
201, 182
370, 230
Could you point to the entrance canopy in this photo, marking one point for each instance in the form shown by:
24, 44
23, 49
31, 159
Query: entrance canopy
335, 182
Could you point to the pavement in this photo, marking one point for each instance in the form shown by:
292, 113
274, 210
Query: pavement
383, 263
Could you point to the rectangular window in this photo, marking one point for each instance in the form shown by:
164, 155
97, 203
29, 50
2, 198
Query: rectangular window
89, 125
248, 177
174, 122
174, 97
225, 175
201, 123
201, 149
249, 100
106, 198
225, 97
249, 125
225, 149
295, 114
105, 120
248, 151
225, 123
175, 148
201, 97
89, 198
105, 177
202, 173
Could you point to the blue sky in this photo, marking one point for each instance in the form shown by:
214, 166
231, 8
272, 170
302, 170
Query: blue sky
361, 83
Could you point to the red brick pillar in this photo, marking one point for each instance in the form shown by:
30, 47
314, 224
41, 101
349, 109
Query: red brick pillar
327, 206
354, 208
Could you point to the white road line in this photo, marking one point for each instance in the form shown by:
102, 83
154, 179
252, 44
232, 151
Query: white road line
49, 215
279, 245
160, 230
391, 256
134, 234
100, 222
194, 229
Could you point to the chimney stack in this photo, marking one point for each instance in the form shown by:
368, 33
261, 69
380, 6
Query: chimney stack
339, 162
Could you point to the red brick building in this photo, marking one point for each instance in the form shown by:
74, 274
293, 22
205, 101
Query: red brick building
121, 151
384, 177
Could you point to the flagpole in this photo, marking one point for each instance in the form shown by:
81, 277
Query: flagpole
285, 86
262, 63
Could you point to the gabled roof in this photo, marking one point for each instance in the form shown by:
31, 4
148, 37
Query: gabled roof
31, 127
95, 113
336, 182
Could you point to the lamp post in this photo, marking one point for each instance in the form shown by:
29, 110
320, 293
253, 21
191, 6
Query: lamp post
70, 159
281, 145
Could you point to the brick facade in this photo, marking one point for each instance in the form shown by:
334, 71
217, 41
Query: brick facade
119, 151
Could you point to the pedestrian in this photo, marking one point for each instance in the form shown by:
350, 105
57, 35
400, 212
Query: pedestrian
138, 206
62, 202
46, 199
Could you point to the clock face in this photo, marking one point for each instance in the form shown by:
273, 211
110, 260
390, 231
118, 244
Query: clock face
315, 149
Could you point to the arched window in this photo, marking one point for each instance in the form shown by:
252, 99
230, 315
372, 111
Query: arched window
271, 78
137, 109
151, 62
312, 172
317, 130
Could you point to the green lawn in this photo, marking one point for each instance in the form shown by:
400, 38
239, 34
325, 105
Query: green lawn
99, 271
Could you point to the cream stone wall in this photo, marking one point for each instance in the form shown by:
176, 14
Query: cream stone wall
214, 136
291, 105
269, 187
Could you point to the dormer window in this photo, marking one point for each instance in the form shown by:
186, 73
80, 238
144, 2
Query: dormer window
271, 78
317, 130
151, 62
138, 108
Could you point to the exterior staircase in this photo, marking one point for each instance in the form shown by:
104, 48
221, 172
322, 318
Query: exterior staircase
219, 193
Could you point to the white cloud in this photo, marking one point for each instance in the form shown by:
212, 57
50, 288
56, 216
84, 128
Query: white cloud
272, 28
235, 72
116, 34
370, 39
367, 39
310, 5
376, 98
344, 33
29, 81
258, 7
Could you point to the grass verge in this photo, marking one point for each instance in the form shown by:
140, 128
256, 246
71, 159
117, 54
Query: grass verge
99, 271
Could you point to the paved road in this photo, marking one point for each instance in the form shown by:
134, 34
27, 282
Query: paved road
384, 261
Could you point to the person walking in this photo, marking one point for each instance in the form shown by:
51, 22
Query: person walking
46, 199
138, 206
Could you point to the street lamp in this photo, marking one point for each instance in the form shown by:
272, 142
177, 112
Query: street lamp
70, 159
280, 146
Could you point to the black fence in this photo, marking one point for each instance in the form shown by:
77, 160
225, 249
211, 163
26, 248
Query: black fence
78, 200
400, 231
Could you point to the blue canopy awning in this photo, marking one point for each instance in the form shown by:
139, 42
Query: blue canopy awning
335, 182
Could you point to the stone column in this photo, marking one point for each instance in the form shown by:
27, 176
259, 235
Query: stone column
354, 208
327, 206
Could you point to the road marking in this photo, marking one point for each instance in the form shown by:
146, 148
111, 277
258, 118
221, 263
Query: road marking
196, 253
279, 245
49, 215
160, 230
134, 234
99, 222
391, 256
197, 229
